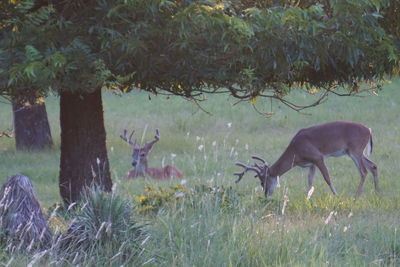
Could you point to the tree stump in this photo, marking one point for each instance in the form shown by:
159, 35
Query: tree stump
22, 223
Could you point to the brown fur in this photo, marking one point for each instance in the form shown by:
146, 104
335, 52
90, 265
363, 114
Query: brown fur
168, 172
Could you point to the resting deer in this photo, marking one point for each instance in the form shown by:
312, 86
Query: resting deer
139, 160
5, 134
310, 146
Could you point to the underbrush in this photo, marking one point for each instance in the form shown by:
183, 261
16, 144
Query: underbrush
215, 225
205, 228
100, 229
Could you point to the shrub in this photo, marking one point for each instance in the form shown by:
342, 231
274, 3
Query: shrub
103, 228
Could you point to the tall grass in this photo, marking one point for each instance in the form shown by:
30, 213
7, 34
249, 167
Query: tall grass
197, 228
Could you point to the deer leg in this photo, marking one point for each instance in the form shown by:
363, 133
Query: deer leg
322, 168
373, 168
311, 176
363, 172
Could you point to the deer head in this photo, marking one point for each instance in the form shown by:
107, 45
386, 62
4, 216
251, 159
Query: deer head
139, 154
268, 182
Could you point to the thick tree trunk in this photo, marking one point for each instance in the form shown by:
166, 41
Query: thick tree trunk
84, 160
31, 126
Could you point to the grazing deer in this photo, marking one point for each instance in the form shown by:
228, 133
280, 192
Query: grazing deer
310, 146
139, 161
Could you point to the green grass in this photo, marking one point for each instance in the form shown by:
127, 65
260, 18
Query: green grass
200, 231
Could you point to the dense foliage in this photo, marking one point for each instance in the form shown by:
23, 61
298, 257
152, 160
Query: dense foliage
187, 47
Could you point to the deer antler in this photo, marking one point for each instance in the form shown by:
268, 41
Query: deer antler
260, 159
123, 137
156, 138
263, 165
246, 169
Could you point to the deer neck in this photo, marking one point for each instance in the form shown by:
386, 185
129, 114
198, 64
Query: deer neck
141, 169
283, 164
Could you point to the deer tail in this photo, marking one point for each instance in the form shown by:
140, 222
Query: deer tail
370, 145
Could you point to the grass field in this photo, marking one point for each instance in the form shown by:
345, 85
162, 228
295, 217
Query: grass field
234, 225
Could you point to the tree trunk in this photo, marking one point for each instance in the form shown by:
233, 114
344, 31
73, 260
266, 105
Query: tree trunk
31, 126
84, 160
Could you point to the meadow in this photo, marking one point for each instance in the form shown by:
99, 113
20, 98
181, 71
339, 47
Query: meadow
206, 219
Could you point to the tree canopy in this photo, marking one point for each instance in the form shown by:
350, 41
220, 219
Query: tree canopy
246, 48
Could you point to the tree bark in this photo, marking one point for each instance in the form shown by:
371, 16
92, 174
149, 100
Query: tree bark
31, 126
84, 160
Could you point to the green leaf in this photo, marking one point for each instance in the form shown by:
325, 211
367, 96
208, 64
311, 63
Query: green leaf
32, 54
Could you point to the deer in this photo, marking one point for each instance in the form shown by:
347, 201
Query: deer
139, 160
4, 133
309, 148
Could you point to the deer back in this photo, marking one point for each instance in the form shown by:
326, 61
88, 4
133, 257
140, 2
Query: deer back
168, 172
